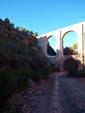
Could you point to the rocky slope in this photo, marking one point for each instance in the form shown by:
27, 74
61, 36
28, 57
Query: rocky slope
20, 60
50, 51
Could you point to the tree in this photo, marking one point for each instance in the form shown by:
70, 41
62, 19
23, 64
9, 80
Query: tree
7, 21
35, 34
24, 30
75, 46
68, 51
17, 27
27, 31
20, 29
31, 32
71, 50
11, 24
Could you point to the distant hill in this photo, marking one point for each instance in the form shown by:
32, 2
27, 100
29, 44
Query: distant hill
20, 60
50, 50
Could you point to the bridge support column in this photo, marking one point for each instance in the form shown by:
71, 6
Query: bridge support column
81, 47
42, 43
62, 65
84, 42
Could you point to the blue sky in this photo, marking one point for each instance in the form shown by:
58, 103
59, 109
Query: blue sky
43, 16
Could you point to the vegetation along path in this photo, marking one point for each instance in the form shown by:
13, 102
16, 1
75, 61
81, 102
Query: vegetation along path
61, 94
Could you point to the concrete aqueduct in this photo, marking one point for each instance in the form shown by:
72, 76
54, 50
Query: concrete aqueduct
59, 59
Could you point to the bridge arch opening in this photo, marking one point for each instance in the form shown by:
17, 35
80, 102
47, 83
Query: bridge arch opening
70, 48
70, 43
52, 45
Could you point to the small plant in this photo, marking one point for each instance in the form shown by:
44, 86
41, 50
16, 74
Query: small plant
11, 24
7, 21
71, 64
17, 109
72, 72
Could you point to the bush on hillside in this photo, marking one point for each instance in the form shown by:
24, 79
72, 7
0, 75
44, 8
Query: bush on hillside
10, 81
71, 65
11, 24
20, 60
7, 21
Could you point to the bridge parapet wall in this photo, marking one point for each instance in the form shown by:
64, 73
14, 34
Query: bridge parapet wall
53, 60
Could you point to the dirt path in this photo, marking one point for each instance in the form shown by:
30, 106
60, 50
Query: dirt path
48, 99
60, 94
57, 94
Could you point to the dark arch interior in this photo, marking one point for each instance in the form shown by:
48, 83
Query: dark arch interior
52, 46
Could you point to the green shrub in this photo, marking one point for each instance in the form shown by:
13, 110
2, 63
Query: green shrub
20, 61
17, 109
10, 81
80, 74
6, 87
23, 76
72, 72
7, 21
71, 65
37, 76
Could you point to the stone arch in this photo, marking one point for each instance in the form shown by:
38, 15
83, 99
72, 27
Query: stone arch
70, 31
59, 34
54, 47
78, 30
49, 37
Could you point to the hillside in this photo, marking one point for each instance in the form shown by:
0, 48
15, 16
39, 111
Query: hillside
50, 50
20, 60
